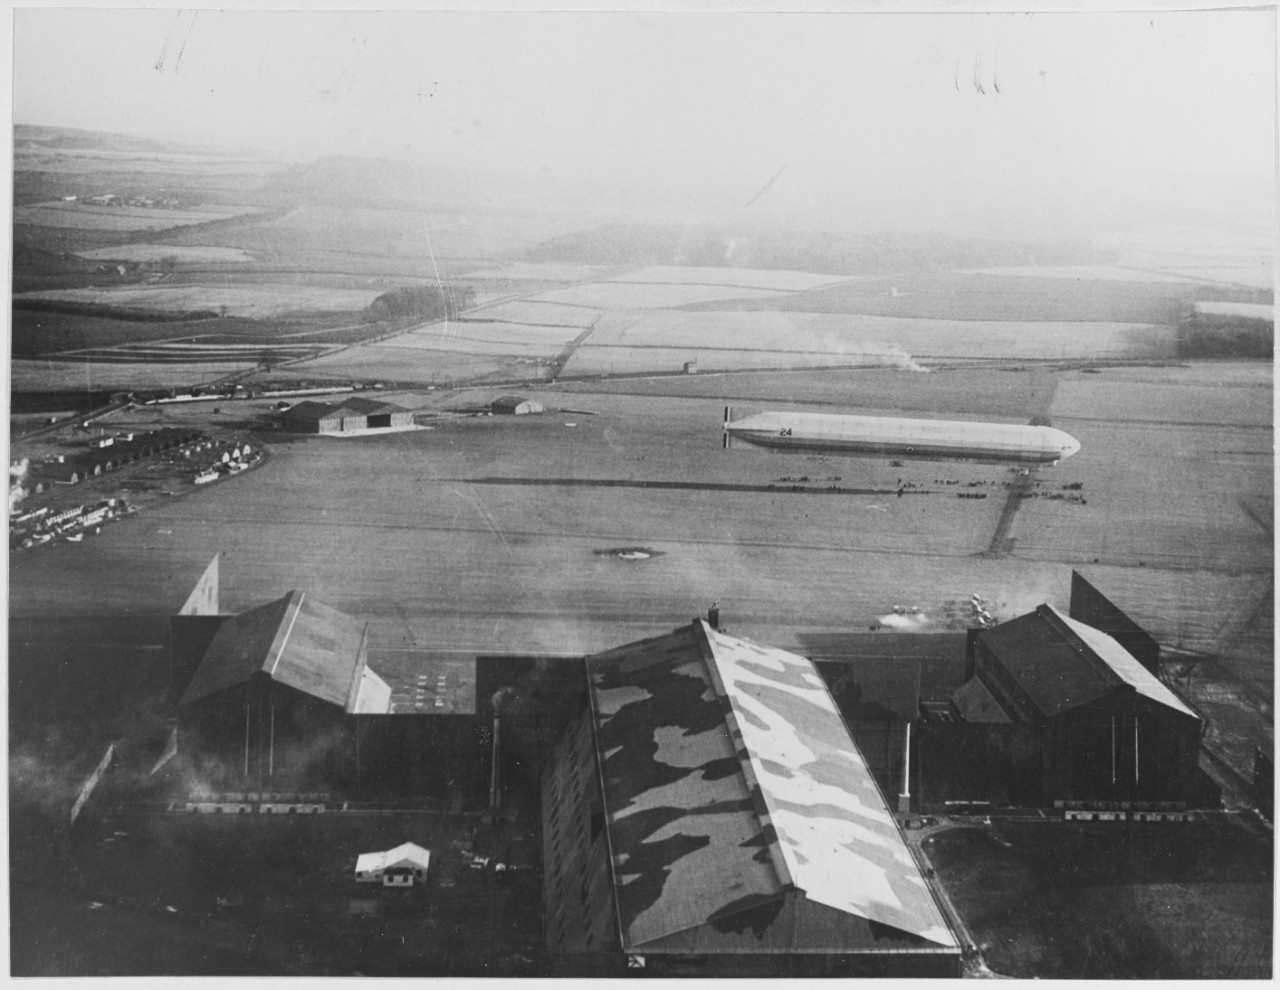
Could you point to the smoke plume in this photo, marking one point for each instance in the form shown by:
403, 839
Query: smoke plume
905, 622
17, 488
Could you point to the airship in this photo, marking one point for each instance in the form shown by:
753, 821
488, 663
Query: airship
935, 439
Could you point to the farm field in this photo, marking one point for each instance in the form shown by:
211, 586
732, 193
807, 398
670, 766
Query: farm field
1105, 273
126, 219
517, 271
251, 301
622, 345
836, 334
36, 333
74, 336
631, 295
590, 359
448, 241
1050, 340
386, 360
150, 253
663, 327
537, 313
1241, 257
959, 296
749, 278
31, 375
1005, 392
486, 338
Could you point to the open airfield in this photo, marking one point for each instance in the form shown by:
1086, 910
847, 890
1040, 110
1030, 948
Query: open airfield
491, 533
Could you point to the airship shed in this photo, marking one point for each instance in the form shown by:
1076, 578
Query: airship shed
283, 696
708, 814
1086, 721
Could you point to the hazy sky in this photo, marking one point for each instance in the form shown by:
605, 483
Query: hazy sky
880, 112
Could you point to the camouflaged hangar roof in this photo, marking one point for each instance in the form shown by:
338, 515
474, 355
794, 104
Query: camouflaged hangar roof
740, 815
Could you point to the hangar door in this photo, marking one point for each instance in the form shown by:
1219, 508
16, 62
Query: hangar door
380, 421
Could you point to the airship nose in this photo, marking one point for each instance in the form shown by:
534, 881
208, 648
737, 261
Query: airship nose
1068, 444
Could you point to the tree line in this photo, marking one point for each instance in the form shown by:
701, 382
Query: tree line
421, 302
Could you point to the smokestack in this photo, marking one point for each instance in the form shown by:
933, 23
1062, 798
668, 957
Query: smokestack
904, 799
495, 789
713, 615
495, 775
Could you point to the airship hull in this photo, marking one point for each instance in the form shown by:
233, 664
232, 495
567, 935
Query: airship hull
915, 438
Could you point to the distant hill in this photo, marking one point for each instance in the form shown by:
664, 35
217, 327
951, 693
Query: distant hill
73, 138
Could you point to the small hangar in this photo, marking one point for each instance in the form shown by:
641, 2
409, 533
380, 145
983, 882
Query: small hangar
708, 814
514, 405
355, 414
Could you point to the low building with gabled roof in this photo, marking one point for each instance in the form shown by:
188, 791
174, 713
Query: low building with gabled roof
710, 814
398, 867
354, 414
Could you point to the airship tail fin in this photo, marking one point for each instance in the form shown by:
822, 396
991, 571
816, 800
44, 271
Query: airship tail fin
726, 440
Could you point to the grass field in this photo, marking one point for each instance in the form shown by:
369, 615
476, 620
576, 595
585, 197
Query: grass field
117, 218
1083, 273
748, 278
1154, 901
1013, 393
449, 239
590, 359
961, 296
287, 898
472, 498
663, 327
32, 375
486, 338
537, 313
623, 344
1215, 395
251, 301
630, 295
147, 253
522, 271
1240, 257
1005, 338
37, 334
386, 360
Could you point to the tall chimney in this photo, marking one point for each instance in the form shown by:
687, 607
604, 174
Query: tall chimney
713, 615
495, 785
